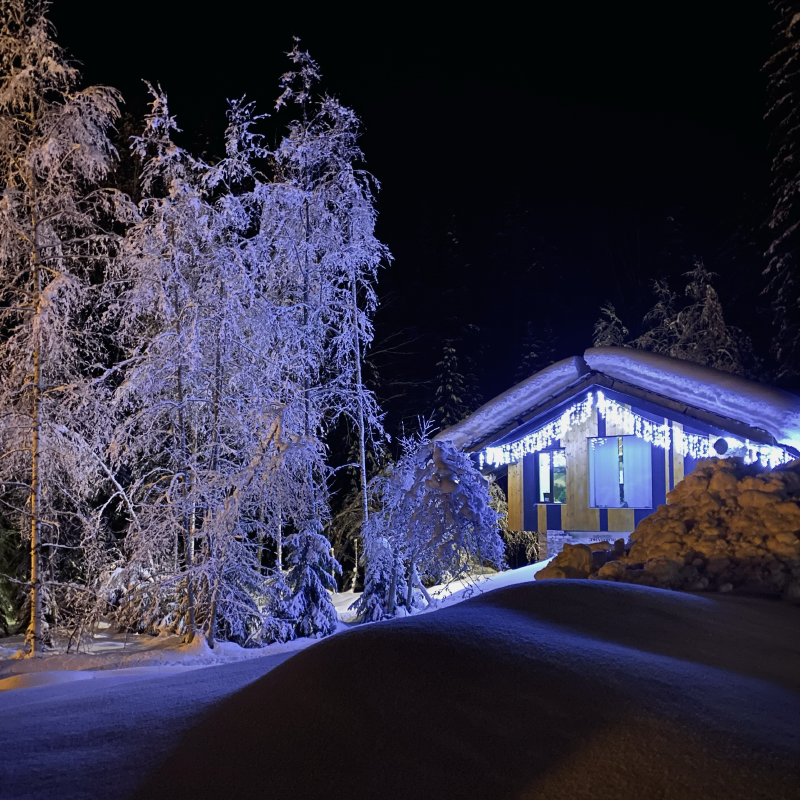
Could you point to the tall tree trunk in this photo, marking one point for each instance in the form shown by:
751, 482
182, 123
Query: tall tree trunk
307, 386
355, 564
362, 450
279, 545
188, 539
34, 634
214, 464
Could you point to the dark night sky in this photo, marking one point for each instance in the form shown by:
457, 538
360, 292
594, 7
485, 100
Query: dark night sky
577, 130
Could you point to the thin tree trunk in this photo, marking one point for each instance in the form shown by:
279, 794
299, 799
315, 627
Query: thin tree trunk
188, 540
34, 635
279, 545
410, 591
214, 464
35, 630
307, 387
392, 590
361, 429
355, 565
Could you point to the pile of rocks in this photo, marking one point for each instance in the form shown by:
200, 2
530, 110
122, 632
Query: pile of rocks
726, 526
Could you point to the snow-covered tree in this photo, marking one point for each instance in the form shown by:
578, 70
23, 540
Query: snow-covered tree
317, 225
450, 388
663, 327
609, 330
783, 117
54, 155
698, 332
538, 351
213, 417
436, 515
163, 400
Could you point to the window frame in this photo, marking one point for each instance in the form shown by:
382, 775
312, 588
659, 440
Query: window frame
539, 492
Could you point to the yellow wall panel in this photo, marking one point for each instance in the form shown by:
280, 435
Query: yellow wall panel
541, 516
515, 502
620, 519
677, 458
575, 513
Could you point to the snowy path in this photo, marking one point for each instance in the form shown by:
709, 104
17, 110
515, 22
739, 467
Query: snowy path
99, 738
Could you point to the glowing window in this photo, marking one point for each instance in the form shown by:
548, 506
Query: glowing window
620, 472
552, 475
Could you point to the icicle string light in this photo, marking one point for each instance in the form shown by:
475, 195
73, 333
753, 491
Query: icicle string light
631, 424
539, 439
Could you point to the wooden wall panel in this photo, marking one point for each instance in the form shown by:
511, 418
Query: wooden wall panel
620, 519
576, 514
542, 518
677, 460
613, 429
515, 497
667, 457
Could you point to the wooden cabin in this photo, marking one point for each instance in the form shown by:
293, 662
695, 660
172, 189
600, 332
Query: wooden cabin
590, 446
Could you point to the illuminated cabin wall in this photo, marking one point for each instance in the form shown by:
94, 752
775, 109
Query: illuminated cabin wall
668, 468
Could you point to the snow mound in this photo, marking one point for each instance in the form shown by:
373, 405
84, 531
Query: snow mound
726, 526
754, 404
516, 401
562, 689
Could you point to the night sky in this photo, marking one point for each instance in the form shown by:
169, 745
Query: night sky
529, 162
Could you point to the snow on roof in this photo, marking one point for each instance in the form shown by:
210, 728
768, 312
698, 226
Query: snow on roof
752, 403
772, 410
516, 401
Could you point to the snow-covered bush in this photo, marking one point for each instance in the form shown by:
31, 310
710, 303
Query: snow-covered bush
435, 523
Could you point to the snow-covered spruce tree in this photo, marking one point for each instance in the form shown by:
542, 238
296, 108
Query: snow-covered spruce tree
537, 350
54, 153
609, 330
317, 222
698, 332
436, 515
663, 328
783, 117
450, 388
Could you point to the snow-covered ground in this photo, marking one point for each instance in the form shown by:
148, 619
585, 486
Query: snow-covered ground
577, 690
554, 689
131, 656
123, 657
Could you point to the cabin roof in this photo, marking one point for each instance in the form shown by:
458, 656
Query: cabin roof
707, 394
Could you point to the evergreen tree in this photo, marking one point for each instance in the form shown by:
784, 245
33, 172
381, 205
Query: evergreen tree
609, 331
435, 513
698, 332
538, 350
783, 117
450, 398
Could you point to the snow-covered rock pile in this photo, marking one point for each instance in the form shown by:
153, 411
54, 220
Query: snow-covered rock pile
725, 526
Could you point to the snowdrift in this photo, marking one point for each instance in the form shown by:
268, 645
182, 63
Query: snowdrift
561, 689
